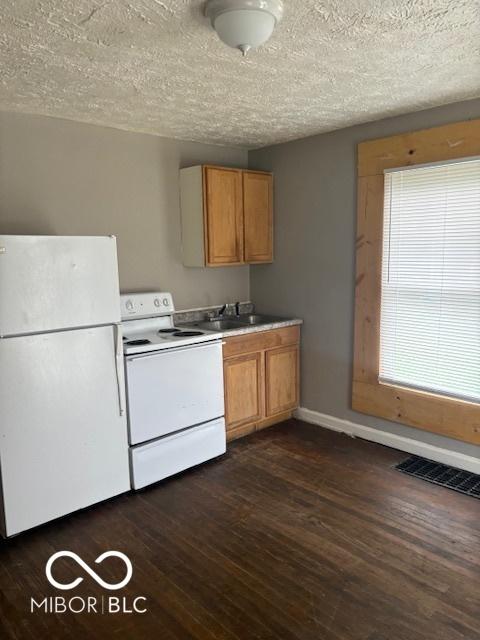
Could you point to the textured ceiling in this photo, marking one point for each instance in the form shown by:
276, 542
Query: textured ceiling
157, 66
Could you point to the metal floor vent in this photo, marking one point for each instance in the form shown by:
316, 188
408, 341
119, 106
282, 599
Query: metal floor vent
441, 474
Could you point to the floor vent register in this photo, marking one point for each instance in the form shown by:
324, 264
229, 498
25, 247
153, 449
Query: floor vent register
441, 474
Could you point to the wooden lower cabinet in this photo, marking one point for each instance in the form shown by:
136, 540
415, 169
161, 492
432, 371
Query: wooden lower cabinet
243, 377
261, 374
281, 380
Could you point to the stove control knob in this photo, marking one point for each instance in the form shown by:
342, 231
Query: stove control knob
165, 302
156, 302
129, 305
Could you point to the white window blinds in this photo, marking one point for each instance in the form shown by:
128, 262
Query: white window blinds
430, 303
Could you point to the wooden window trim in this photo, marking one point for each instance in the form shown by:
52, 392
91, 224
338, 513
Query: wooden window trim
450, 417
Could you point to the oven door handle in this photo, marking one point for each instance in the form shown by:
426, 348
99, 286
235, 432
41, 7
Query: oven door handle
119, 369
168, 350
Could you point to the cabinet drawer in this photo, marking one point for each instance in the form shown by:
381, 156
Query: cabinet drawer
167, 456
261, 341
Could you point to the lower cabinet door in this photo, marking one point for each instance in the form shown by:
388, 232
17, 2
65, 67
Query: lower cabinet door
281, 379
244, 389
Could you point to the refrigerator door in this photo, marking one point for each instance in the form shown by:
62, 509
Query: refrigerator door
63, 440
57, 282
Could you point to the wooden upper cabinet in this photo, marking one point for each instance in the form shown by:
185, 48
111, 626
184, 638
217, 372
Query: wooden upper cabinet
258, 216
223, 215
227, 216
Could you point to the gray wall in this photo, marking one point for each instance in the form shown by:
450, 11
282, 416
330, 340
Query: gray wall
313, 272
61, 177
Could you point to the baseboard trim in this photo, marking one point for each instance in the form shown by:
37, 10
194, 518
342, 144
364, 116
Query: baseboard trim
430, 451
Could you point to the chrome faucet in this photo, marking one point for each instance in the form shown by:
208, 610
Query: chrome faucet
224, 311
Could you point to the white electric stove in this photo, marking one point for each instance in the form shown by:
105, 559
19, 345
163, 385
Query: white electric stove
175, 398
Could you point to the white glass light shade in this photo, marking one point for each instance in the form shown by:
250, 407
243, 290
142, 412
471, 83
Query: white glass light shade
244, 24
244, 29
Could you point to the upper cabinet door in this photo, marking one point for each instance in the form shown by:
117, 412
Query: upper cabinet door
258, 216
223, 211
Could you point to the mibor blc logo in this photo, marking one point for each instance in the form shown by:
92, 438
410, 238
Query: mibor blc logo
86, 568
89, 604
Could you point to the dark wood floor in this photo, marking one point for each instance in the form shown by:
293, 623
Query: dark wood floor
296, 534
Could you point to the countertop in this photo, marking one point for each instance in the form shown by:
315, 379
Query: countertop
248, 328
191, 318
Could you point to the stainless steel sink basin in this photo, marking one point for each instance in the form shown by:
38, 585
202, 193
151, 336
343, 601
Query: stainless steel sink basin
220, 325
237, 322
257, 319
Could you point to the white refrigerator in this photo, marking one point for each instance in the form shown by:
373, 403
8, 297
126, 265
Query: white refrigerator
63, 433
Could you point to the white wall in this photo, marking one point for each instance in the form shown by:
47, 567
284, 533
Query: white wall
62, 177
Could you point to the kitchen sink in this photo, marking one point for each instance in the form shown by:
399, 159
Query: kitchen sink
220, 325
257, 319
237, 322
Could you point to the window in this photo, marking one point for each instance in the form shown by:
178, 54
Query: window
430, 303
417, 290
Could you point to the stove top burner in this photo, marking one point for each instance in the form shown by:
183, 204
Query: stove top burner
187, 334
137, 343
168, 330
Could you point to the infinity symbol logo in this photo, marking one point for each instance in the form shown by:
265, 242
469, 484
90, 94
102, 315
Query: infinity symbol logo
86, 568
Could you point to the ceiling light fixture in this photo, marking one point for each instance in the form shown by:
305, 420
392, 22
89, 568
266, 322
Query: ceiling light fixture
244, 24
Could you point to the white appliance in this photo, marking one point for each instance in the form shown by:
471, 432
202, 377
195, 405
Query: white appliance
174, 387
63, 432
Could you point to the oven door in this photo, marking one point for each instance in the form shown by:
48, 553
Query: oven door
173, 389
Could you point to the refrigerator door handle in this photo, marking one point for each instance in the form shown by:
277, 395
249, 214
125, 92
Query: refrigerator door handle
119, 368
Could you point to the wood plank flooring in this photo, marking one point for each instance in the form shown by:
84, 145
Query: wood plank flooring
297, 533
